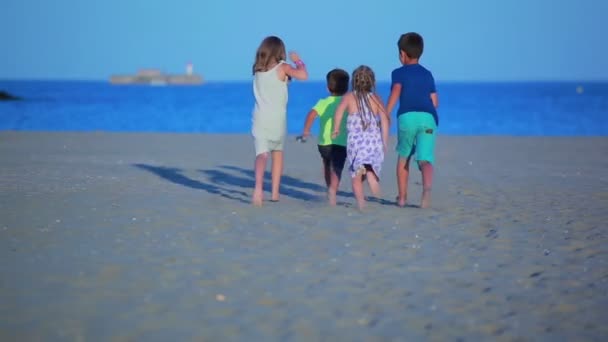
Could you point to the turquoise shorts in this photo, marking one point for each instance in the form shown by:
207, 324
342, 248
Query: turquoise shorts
416, 135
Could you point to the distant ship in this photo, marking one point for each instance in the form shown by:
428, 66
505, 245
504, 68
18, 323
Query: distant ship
156, 78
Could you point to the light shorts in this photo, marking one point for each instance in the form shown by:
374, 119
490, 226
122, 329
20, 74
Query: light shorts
264, 145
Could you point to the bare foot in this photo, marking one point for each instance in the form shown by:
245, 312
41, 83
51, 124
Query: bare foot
361, 205
331, 198
274, 197
426, 199
257, 198
402, 202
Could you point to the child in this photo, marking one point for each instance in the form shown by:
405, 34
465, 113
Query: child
333, 151
367, 126
414, 86
271, 74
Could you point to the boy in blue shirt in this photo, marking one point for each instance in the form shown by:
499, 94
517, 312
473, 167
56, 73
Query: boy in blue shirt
414, 87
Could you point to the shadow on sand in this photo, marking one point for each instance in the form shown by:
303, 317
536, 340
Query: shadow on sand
176, 176
222, 181
297, 183
286, 180
291, 187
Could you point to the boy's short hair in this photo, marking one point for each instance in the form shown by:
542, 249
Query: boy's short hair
412, 44
337, 81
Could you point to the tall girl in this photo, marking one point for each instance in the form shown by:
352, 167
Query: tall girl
271, 74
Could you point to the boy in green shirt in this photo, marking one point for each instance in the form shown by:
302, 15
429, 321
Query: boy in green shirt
332, 151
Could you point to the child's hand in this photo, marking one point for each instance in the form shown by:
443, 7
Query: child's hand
385, 148
335, 134
305, 134
294, 56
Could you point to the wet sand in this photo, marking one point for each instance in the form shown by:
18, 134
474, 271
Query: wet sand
151, 237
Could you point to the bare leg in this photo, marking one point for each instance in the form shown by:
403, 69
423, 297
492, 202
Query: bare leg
373, 181
403, 170
277, 172
258, 192
358, 190
327, 172
332, 190
427, 181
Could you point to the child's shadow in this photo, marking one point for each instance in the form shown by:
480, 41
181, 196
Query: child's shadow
290, 186
175, 175
381, 201
221, 181
286, 181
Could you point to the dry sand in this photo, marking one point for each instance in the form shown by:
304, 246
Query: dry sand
151, 237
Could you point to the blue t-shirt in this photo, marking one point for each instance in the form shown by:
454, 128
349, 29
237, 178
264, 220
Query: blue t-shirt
417, 84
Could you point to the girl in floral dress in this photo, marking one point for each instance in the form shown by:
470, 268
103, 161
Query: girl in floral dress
367, 126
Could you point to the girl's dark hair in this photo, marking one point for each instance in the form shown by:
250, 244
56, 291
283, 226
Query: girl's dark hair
271, 50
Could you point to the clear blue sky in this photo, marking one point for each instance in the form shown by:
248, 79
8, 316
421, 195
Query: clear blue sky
466, 40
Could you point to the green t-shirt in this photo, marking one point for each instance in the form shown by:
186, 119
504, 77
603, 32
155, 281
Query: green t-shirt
326, 109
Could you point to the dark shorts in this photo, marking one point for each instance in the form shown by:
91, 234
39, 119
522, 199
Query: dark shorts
334, 155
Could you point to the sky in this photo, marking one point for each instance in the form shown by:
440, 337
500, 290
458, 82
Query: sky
465, 40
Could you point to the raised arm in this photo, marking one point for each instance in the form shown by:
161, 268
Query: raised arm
299, 72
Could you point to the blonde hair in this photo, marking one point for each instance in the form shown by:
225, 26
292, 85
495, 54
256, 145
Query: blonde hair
364, 84
271, 50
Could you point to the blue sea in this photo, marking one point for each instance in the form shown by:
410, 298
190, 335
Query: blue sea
547, 109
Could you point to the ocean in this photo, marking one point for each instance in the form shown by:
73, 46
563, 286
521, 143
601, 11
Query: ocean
522, 109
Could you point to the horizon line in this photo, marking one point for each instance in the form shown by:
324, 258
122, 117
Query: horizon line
540, 80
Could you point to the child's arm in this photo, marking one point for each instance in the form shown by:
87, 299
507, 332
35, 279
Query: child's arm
339, 115
299, 72
435, 99
378, 100
395, 93
310, 118
384, 121
434, 96
393, 98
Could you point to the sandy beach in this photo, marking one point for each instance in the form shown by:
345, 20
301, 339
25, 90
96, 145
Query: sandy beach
151, 237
